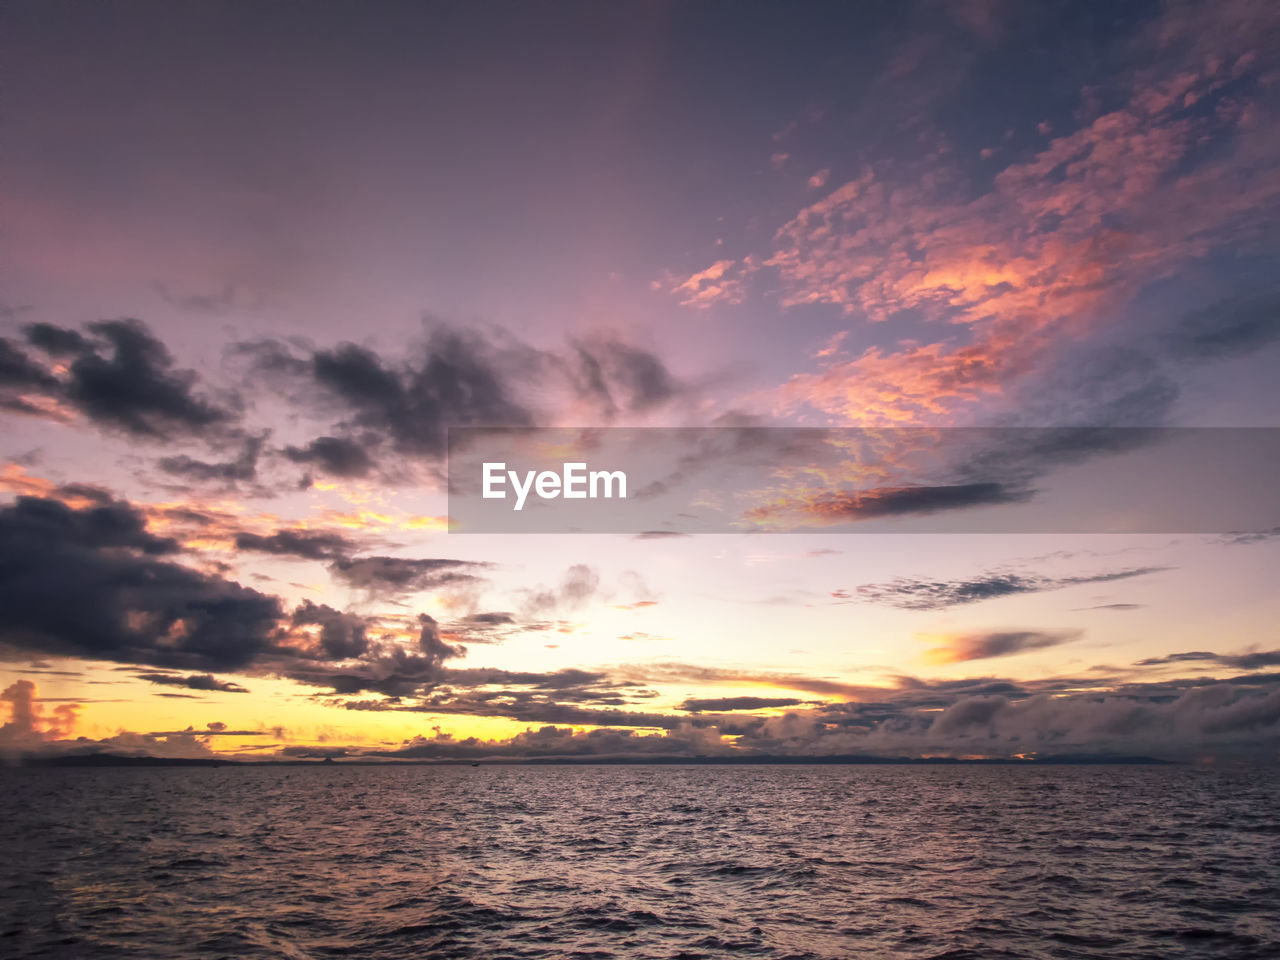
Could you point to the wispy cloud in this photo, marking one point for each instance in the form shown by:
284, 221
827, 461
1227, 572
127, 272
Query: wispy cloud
920, 594
1000, 643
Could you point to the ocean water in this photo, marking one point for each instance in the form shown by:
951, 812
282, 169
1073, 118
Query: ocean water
640, 862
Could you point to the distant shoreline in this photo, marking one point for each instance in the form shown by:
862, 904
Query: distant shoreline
98, 761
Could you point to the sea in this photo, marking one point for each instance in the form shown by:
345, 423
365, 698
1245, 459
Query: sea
646, 861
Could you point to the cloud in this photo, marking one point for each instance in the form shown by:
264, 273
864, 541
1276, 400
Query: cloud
722, 283
1260, 536
305, 544
1226, 717
974, 716
396, 576
676, 672
28, 726
527, 708
197, 681
91, 583
383, 667
919, 594
24, 382
551, 741
121, 377
577, 587
336, 456
18, 370
243, 466
489, 619
984, 717
456, 378
342, 635
1238, 326
569, 678
486, 627
1000, 643
223, 301
1239, 661
214, 729
1011, 268
618, 378
455, 383
826, 506
56, 341
716, 704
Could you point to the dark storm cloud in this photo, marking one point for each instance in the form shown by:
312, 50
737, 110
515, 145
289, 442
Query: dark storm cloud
431, 644
101, 526
1240, 661
342, 635
87, 491
457, 377
391, 576
122, 377
917, 594
242, 467
56, 341
305, 544
19, 370
19, 374
336, 456
386, 668
196, 681
738, 703
90, 583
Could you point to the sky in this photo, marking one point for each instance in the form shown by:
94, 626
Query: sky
257, 260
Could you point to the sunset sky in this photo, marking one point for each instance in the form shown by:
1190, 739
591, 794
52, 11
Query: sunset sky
256, 259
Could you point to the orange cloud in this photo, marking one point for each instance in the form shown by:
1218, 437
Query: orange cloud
28, 724
1059, 241
1000, 643
720, 283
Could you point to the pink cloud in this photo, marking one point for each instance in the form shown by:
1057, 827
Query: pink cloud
1061, 240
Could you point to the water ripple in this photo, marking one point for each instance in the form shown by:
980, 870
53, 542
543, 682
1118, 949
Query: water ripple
650, 863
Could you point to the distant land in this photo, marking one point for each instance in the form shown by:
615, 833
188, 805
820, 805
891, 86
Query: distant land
95, 760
